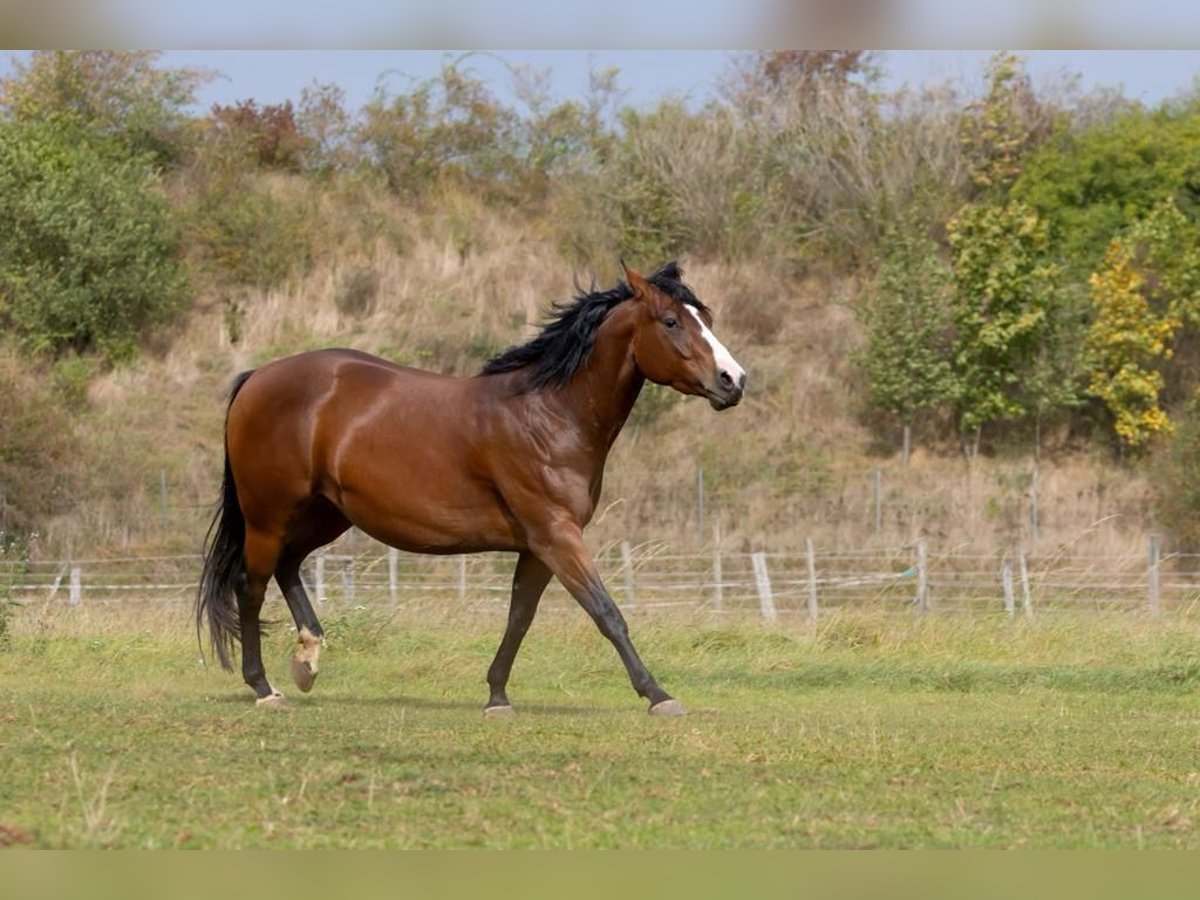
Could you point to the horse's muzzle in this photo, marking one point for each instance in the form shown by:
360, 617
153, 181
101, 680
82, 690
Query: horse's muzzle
727, 392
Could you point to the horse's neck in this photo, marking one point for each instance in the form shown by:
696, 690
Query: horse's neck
601, 394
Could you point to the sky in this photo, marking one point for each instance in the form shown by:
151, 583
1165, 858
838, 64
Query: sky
273, 76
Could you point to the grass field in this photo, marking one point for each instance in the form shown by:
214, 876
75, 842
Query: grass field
874, 731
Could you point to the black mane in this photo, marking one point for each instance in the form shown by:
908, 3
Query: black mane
565, 342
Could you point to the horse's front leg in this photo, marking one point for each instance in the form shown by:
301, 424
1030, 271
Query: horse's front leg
564, 552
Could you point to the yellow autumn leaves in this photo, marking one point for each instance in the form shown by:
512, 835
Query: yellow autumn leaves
1139, 308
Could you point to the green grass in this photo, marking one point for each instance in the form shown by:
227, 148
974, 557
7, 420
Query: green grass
875, 732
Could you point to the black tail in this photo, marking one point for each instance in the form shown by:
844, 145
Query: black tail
223, 562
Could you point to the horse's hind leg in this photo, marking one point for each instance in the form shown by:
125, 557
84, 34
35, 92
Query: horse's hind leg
319, 524
529, 581
261, 554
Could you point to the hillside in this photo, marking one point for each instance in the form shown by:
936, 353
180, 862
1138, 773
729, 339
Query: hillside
874, 259
796, 459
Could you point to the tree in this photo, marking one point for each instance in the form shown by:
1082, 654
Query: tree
1005, 302
120, 94
1146, 291
906, 357
1092, 185
449, 129
89, 253
1000, 129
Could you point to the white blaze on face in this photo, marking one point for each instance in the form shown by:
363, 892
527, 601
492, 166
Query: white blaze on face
722, 357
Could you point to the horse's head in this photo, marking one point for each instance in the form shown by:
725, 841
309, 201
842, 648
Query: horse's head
673, 344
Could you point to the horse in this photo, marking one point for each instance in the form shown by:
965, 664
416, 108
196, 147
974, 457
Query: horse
511, 459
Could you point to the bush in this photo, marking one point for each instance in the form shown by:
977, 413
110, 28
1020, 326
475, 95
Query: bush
89, 255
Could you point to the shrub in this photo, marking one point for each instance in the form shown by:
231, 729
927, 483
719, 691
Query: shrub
89, 254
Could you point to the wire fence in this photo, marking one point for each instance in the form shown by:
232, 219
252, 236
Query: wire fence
805, 582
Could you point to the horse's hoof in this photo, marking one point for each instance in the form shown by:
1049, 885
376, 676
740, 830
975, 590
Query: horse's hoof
273, 700
668, 708
498, 712
303, 674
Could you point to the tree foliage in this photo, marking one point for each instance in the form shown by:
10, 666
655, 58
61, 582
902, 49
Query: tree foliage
1092, 185
1005, 303
89, 254
123, 95
905, 317
1147, 289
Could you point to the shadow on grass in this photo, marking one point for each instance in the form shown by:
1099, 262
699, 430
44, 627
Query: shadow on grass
297, 700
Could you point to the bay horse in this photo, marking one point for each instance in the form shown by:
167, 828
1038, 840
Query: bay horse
511, 459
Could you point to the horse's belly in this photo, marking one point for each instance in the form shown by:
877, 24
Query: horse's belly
421, 520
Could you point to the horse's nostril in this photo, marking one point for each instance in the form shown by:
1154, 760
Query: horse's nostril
726, 379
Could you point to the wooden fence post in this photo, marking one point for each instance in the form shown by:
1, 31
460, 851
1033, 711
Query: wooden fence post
319, 570
1033, 506
1006, 580
627, 560
462, 577
75, 597
1026, 598
811, 563
718, 586
1152, 576
766, 601
878, 501
393, 566
922, 579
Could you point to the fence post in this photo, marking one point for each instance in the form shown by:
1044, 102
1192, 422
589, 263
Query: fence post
348, 579
878, 501
1152, 575
462, 577
1006, 579
162, 492
811, 561
766, 602
922, 579
699, 506
393, 566
319, 570
1026, 599
1033, 505
75, 597
719, 587
627, 560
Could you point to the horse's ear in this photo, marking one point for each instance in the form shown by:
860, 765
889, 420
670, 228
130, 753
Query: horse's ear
639, 285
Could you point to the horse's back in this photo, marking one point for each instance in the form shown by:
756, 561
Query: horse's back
364, 432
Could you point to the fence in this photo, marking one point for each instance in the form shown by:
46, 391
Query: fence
806, 582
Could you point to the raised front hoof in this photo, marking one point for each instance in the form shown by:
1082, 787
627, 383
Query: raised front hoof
668, 708
498, 712
303, 674
273, 700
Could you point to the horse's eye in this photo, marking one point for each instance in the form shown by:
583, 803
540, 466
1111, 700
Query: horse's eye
670, 322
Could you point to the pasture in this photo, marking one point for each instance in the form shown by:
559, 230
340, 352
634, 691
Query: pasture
873, 730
